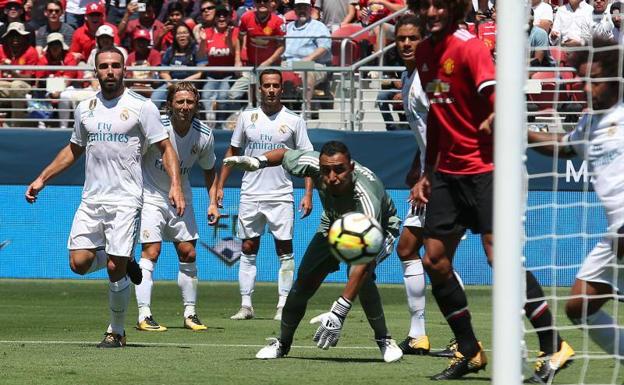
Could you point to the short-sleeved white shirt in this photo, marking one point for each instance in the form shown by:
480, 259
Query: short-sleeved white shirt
257, 133
602, 145
196, 146
416, 107
116, 133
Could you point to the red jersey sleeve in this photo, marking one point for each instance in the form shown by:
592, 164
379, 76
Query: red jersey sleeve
43, 61
480, 64
244, 21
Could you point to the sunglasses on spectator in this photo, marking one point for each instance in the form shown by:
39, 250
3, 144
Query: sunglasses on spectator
208, 8
262, 1
54, 10
13, 6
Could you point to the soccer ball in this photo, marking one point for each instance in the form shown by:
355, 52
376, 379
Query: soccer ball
355, 238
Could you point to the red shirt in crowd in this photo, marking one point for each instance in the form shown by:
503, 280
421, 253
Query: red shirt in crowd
259, 49
153, 60
69, 60
83, 41
217, 49
133, 25
454, 73
28, 57
377, 11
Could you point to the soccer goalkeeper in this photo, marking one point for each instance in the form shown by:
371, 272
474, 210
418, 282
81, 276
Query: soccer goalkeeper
343, 186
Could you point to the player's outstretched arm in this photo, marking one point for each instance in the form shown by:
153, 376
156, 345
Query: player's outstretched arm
328, 332
212, 180
552, 144
172, 167
64, 159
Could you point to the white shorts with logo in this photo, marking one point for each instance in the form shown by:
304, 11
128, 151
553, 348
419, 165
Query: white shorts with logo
254, 216
412, 219
101, 225
160, 222
601, 265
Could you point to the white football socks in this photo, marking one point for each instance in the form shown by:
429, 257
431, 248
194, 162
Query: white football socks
144, 290
247, 277
414, 279
187, 281
99, 262
604, 331
118, 298
285, 277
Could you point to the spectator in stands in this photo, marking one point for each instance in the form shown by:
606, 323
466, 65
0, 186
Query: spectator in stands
146, 21
221, 46
104, 39
116, 9
54, 13
371, 11
602, 25
542, 14
259, 31
307, 40
55, 52
14, 12
175, 14
75, 13
206, 20
190, 8
539, 52
15, 83
333, 12
616, 18
573, 24
83, 41
183, 52
142, 56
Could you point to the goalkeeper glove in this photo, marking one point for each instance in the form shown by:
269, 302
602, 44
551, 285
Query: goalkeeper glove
246, 163
331, 323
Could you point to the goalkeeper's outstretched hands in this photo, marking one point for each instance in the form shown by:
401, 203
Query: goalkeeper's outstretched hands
245, 163
328, 332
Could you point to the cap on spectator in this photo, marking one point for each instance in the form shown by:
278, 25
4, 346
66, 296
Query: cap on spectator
18, 27
616, 6
222, 10
105, 30
308, 2
95, 8
55, 37
20, 2
141, 34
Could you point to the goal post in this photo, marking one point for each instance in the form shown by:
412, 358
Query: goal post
510, 126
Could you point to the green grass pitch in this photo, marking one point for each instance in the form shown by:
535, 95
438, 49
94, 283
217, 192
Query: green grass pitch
48, 332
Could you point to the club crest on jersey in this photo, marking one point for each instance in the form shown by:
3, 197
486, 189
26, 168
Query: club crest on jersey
254, 117
424, 68
92, 104
146, 234
612, 129
283, 129
194, 149
124, 114
448, 66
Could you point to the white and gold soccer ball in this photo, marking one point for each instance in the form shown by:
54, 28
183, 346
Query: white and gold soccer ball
355, 238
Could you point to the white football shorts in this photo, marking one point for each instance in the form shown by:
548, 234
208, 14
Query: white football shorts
160, 222
110, 226
413, 219
254, 216
601, 265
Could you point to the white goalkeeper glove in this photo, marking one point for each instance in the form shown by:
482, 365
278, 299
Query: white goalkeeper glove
331, 323
245, 163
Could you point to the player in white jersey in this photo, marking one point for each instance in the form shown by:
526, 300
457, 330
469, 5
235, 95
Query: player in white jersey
113, 128
267, 196
193, 142
599, 138
408, 34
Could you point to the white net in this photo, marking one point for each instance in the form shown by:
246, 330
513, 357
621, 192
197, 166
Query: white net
573, 203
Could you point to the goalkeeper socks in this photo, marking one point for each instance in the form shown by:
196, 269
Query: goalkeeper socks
187, 281
371, 304
414, 279
118, 298
143, 291
285, 275
247, 277
453, 304
604, 332
537, 311
99, 262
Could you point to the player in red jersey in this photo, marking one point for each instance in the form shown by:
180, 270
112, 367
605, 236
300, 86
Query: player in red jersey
458, 75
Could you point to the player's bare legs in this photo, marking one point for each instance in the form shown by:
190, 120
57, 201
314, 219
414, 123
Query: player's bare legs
408, 249
584, 308
247, 277
84, 261
187, 281
286, 273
